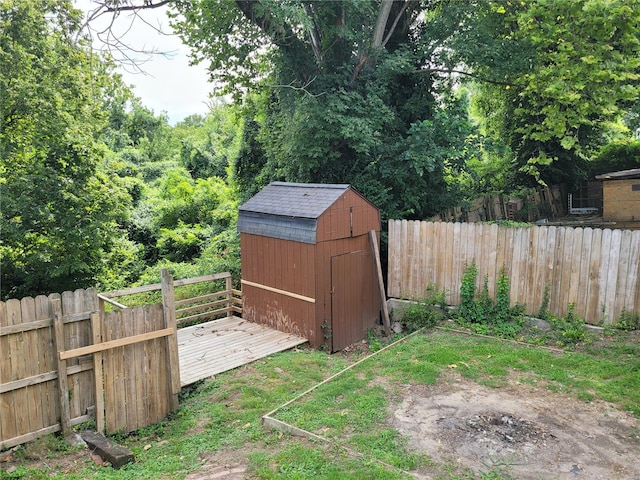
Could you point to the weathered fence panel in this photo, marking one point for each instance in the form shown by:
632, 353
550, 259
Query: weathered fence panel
120, 368
136, 382
596, 270
29, 403
534, 203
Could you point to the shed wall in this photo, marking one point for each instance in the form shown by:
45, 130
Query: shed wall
621, 200
350, 215
283, 265
306, 270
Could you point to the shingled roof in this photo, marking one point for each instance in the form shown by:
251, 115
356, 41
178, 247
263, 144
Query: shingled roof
288, 210
621, 175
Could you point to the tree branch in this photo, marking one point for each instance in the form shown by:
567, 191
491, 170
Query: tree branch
148, 4
300, 89
379, 41
281, 35
314, 33
467, 74
395, 24
114, 43
381, 23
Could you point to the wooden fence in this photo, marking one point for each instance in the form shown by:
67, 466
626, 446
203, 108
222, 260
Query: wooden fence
533, 204
594, 269
65, 361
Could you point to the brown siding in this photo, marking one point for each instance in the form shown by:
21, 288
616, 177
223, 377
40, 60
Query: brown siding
284, 265
337, 221
621, 201
354, 310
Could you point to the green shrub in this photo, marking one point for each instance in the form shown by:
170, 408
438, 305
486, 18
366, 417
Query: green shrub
468, 292
427, 311
621, 155
570, 327
483, 314
628, 320
543, 313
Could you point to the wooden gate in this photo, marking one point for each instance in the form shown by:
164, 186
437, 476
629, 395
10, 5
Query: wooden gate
137, 377
352, 276
131, 363
135, 363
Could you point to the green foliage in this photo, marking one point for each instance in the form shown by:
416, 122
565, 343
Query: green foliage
570, 327
502, 309
181, 243
61, 202
374, 341
468, 292
620, 155
332, 108
543, 312
628, 320
209, 145
552, 107
483, 314
425, 312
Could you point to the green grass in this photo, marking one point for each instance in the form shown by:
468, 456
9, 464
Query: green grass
223, 416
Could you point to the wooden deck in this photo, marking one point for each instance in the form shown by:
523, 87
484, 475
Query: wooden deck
214, 347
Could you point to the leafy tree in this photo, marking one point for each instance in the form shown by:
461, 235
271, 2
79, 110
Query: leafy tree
346, 92
209, 145
616, 156
346, 84
576, 68
178, 215
60, 204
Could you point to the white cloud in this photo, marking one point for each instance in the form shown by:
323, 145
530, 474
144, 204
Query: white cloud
169, 84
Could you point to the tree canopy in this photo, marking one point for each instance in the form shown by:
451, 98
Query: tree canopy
60, 206
580, 73
363, 91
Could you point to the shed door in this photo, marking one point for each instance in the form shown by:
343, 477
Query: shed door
354, 301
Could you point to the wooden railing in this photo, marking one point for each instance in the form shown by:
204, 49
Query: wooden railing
191, 309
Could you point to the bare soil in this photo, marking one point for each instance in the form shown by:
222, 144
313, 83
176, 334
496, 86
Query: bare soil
523, 431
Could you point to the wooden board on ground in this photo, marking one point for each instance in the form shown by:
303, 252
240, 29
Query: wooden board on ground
214, 347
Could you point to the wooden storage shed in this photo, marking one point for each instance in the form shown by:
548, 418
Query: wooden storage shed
621, 197
307, 262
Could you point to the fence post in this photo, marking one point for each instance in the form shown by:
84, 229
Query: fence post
169, 310
378, 267
228, 286
63, 387
96, 329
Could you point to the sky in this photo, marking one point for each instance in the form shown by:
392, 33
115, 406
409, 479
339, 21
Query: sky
169, 84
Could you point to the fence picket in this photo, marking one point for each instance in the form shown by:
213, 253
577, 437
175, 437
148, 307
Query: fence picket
633, 276
612, 274
623, 273
583, 282
42, 391
593, 303
31, 344
603, 274
16, 424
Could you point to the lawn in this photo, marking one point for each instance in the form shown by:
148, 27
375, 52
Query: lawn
362, 413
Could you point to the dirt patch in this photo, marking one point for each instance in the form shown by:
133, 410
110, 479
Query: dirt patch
227, 465
523, 431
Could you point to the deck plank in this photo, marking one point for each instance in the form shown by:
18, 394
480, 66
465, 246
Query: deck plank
214, 347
